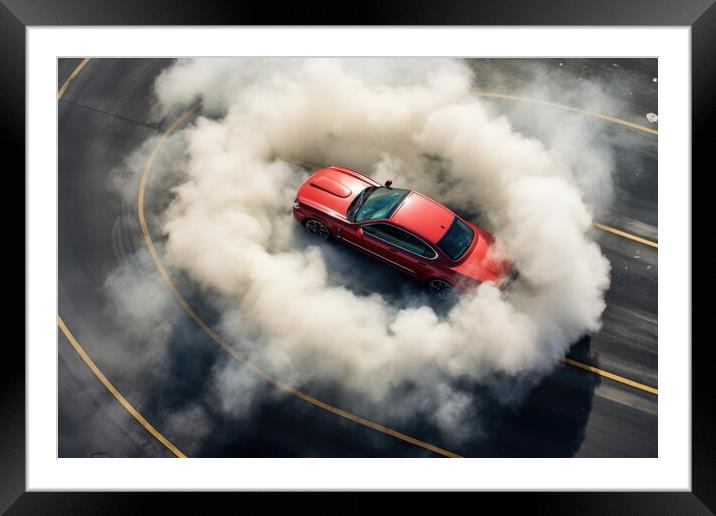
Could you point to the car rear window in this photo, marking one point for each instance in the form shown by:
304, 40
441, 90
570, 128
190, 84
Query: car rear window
457, 240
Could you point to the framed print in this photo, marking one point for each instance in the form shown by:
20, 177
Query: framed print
323, 257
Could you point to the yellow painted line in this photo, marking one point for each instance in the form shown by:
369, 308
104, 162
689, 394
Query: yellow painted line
74, 73
597, 225
111, 388
238, 355
611, 376
593, 114
626, 235
222, 343
85, 357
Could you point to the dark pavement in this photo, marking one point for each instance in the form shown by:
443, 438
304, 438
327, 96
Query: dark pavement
106, 114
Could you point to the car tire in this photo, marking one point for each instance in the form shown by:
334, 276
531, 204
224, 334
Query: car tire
317, 229
440, 288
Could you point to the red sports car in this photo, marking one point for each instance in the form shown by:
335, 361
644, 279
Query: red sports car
400, 227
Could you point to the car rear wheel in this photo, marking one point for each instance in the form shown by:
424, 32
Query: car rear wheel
317, 229
441, 289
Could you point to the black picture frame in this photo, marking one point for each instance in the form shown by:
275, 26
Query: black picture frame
700, 15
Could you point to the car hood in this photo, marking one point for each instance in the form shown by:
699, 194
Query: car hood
333, 189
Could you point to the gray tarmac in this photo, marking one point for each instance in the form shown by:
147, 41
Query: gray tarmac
106, 113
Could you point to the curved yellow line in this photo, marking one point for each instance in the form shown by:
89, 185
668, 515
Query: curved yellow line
80, 350
236, 354
111, 388
593, 114
222, 343
74, 74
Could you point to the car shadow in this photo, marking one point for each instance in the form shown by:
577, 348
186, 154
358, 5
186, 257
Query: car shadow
550, 421
512, 418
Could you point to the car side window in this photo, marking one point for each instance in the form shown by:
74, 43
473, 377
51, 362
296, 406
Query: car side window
399, 238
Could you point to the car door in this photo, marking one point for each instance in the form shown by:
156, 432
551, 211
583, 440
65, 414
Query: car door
355, 235
398, 247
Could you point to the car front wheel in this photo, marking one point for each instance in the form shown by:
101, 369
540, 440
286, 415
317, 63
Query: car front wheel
317, 229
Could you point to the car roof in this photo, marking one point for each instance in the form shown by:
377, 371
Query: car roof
423, 216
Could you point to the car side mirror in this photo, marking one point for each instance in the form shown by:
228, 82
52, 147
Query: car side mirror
359, 232
388, 183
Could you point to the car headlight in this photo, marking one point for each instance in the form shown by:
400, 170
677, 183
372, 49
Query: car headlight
296, 204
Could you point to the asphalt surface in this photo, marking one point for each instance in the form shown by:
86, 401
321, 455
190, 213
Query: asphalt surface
106, 113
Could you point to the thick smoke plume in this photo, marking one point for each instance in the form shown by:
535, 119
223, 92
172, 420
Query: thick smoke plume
228, 225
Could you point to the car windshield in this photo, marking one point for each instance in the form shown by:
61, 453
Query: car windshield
457, 240
379, 203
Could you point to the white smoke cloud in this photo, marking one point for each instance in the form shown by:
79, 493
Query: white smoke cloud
230, 227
